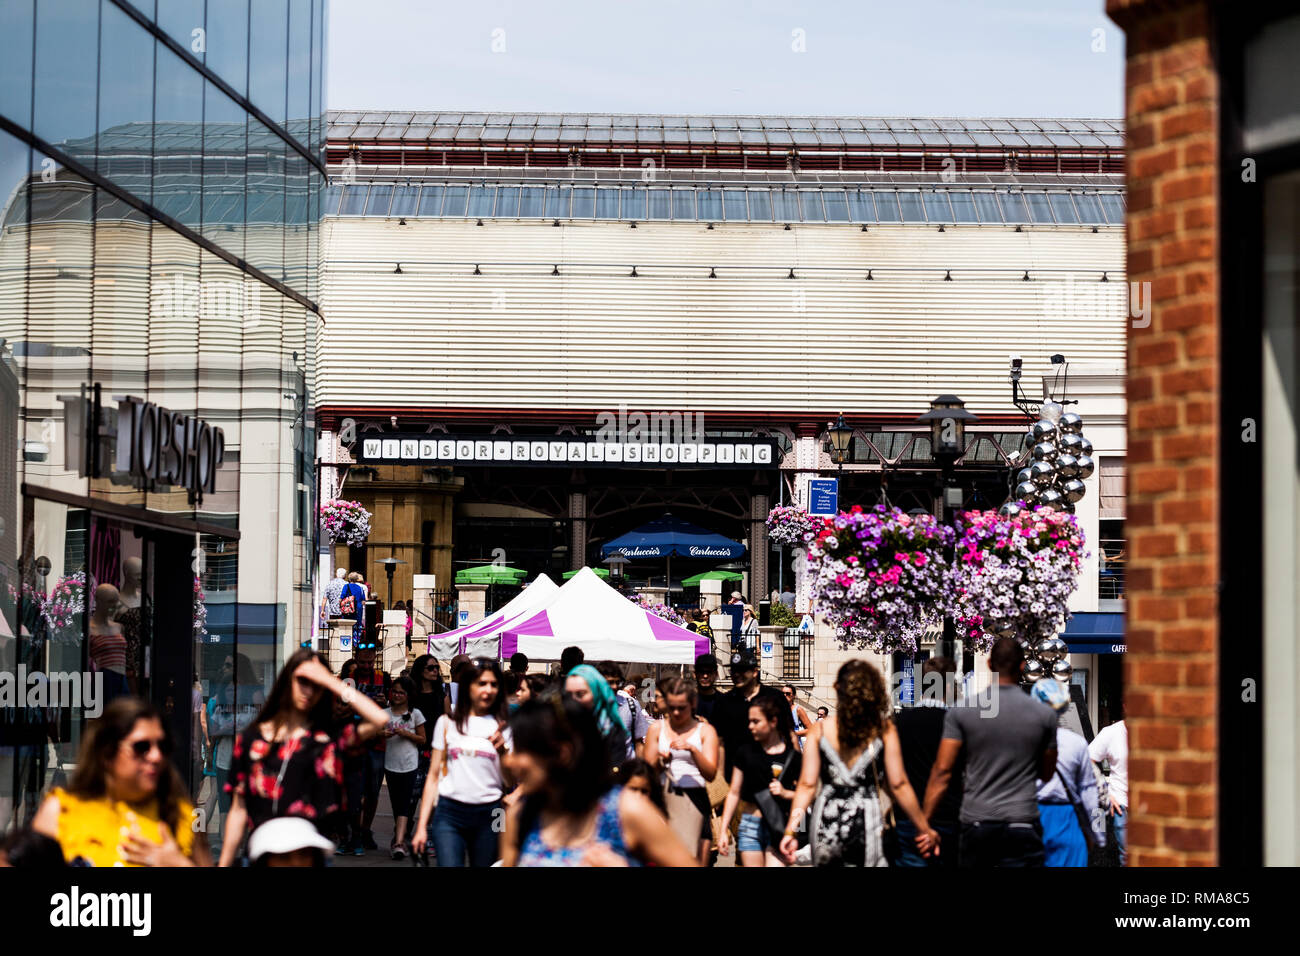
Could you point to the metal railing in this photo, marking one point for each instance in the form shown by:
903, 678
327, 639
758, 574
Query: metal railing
796, 655
1112, 560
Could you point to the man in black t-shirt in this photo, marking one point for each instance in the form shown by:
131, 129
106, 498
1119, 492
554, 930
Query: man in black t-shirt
920, 729
706, 680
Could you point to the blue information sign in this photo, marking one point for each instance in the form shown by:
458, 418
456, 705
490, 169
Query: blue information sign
907, 691
824, 496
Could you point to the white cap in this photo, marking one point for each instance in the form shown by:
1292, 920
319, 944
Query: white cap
735, 594
285, 835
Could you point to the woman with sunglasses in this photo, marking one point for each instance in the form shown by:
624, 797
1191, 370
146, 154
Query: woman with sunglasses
571, 812
126, 805
465, 804
288, 762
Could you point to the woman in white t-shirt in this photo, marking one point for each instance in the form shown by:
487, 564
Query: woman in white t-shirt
466, 802
401, 757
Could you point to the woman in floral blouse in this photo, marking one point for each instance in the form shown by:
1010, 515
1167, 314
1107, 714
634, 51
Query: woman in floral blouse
289, 761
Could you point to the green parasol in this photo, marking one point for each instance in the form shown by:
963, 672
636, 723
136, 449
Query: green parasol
718, 575
600, 573
490, 574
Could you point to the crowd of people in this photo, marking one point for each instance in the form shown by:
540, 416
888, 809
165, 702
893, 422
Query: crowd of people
503, 766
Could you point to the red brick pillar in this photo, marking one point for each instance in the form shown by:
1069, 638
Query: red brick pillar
1172, 524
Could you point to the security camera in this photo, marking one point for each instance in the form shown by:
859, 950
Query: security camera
1016, 363
392, 420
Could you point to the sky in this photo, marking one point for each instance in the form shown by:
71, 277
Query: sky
1018, 58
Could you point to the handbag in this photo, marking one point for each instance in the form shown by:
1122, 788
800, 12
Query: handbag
348, 605
889, 830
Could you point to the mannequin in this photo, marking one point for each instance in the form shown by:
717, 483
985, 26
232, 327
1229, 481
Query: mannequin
108, 643
132, 569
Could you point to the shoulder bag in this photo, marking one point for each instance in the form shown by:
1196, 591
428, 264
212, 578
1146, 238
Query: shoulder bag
1081, 815
774, 815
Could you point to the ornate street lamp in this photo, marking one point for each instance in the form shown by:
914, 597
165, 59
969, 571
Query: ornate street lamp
947, 419
840, 436
617, 563
390, 565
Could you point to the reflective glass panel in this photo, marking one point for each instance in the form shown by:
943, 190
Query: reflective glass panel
634, 204
430, 200
330, 206
987, 205
532, 202
1062, 207
264, 238
178, 127
1089, 208
227, 41
861, 206
837, 207
455, 204
377, 204
299, 69
710, 203
887, 205
557, 202
16, 64
963, 206
268, 69
910, 202
936, 207
785, 205
507, 202
607, 203
659, 204
225, 158
66, 54
1112, 204
733, 205
584, 202
125, 152
1039, 208
811, 204
683, 204
481, 200
405, 199
1013, 207
354, 200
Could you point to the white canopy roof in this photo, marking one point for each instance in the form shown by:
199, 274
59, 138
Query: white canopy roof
480, 639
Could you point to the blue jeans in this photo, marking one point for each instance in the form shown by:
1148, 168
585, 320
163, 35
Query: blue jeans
754, 835
1119, 821
909, 855
460, 828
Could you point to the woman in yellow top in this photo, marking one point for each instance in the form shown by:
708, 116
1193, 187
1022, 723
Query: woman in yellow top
126, 805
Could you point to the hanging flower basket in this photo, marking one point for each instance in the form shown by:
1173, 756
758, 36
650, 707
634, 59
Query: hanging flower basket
200, 611
1013, 575
879, 577
345, 522
789, 526
62, 610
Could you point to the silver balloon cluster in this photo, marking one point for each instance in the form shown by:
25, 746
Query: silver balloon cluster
1046, 657
1061, 458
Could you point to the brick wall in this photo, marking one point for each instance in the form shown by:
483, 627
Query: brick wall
1172, 524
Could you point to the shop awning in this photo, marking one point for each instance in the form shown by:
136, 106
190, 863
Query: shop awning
667, 536
1095, 633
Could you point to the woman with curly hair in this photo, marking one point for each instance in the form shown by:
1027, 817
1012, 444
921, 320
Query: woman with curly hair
849, 755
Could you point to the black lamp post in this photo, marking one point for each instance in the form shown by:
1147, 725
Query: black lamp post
617, 563
390, 565
947, 419
840, 435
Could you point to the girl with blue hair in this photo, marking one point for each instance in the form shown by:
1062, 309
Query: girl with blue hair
586, 686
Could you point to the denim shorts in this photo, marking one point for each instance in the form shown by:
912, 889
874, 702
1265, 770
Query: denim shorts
754, 836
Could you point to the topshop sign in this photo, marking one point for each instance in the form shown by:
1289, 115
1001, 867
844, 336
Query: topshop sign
145, 443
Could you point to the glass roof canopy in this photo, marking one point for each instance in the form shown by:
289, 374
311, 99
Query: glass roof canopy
783, 132
952, 206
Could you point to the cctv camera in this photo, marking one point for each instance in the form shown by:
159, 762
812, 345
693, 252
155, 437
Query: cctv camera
1016, 361
392, 420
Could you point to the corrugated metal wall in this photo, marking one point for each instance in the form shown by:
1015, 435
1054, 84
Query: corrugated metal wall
517, 336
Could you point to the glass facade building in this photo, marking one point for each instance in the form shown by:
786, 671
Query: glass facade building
161, 181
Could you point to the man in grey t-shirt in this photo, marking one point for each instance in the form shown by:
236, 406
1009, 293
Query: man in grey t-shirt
1009, 748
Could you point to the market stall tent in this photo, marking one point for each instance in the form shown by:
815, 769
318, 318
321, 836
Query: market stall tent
589, 614
480, 638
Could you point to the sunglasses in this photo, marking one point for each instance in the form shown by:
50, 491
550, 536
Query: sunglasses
141, 748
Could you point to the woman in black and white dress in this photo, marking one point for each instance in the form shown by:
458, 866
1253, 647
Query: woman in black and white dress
852, 756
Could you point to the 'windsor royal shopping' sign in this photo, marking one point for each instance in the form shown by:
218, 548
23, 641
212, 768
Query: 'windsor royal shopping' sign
424, 450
